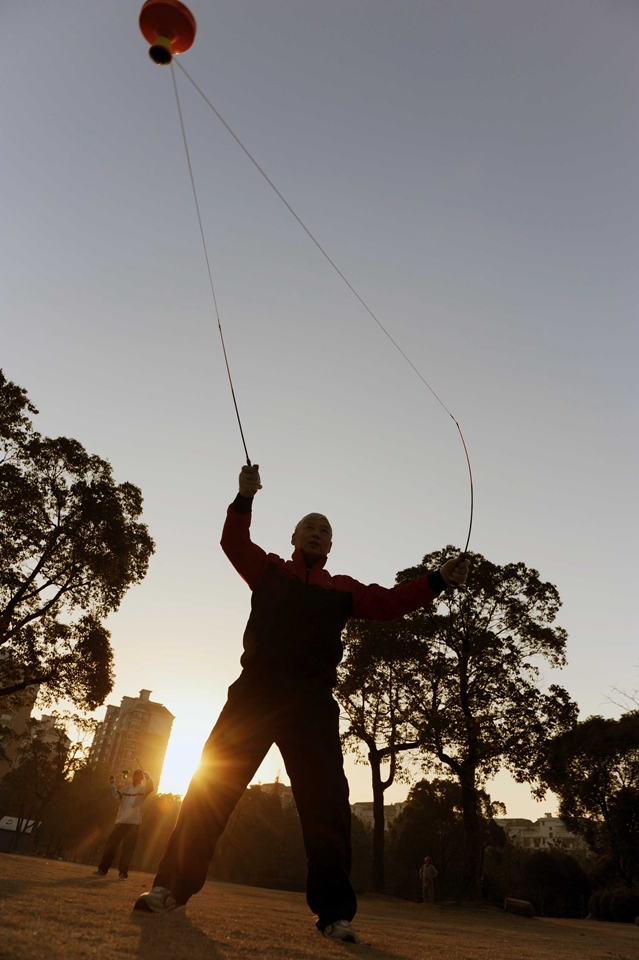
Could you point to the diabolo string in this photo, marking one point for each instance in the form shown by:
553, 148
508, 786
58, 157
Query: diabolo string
330, 261
208, 262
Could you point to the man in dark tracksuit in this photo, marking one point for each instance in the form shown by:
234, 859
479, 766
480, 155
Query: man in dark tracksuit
292, 646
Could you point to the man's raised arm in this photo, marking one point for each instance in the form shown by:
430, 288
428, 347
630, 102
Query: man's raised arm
247, 558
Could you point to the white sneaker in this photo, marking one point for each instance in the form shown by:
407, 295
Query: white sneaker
340, 930
157, 900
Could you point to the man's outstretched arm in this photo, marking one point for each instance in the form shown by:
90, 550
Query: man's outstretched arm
373, 602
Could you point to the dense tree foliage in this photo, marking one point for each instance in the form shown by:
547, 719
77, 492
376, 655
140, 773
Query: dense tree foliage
431, 824
71, 545
594, 770
473, 689
616, 905
262, 843
48, 754
465, 682
79, 817
555, 882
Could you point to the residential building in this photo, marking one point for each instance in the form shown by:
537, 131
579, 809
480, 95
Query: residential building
15, 711
136, 732
47, 732
364, 812
546, 832
15, 831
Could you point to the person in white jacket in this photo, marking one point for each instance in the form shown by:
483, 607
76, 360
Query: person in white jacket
427, 872
131, 797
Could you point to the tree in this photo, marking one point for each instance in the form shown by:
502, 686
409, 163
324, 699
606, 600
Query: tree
594, 770
552, 880
71, 545
46, 757
79, 817
628, 700
472, 691
374, 702
555, 884
262, 844
431, 824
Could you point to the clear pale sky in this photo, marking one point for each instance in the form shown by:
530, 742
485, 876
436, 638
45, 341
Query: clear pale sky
473, 168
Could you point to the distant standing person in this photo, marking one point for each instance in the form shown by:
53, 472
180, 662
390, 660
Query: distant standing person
427, 872
127, 823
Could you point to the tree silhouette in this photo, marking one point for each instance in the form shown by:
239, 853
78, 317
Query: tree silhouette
472, 692
431, 824
460, 680
594, 770
49, 752
371, 693
71, 545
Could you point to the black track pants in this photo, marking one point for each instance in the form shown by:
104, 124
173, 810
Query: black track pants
303, 721
128, 834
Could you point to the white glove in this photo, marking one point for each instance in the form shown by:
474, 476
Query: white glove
249, 480
455, 571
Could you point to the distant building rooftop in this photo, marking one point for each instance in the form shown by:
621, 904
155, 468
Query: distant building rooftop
363, 810
546, 832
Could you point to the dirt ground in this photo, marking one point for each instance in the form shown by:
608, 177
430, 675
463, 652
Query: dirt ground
57, 911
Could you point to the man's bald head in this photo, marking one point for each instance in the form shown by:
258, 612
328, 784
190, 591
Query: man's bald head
313, 535
319, 517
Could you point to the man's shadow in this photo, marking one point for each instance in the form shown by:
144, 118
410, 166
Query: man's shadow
14, 887
174, 936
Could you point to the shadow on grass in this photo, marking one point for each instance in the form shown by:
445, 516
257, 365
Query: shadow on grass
173, 936
14, 888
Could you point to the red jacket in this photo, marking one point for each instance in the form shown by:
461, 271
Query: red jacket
298, 613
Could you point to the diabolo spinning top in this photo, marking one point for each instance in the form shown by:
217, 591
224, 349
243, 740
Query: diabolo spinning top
169, 26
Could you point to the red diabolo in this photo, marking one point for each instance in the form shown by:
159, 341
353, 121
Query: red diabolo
169, 26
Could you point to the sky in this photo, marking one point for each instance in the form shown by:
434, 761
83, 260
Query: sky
472, 166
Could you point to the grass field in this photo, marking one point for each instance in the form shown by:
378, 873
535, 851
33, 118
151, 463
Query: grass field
58, 911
